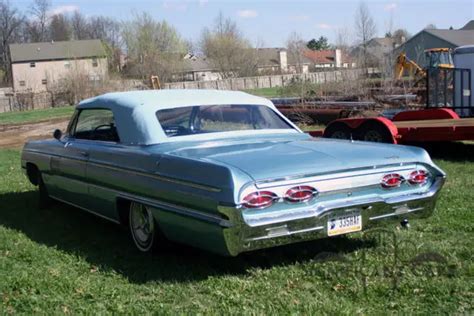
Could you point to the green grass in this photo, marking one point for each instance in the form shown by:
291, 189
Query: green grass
313, 127
35, 115
63, 260
265, 92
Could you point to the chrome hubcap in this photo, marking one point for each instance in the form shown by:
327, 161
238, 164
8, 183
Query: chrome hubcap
142, 226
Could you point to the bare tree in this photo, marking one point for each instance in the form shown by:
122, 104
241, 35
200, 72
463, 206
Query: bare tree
59, 27
343, 39
100, 27
39, 20
295, 46
10, 21
154, 48
227, 49
389, 26
109, 31
400, 36
80, 26
365, 30
106, 29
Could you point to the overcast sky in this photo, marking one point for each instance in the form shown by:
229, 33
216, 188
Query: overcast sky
271, 22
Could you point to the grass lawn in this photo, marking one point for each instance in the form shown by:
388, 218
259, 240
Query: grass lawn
63, 260
35, 115
265, 92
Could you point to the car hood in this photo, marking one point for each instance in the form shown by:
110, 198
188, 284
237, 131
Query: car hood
269, 159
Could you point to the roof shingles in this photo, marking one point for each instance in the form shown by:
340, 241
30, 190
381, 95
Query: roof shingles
56, 50
456, 37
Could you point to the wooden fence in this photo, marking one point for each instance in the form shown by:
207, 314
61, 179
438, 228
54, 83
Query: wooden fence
33, 101
250, 83
29, 101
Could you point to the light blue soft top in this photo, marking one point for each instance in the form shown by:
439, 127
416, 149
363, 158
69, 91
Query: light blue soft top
135, 111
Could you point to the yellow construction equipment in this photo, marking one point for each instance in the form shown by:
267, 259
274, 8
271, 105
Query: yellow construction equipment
155, 82
435, 57
404, 64
439, 58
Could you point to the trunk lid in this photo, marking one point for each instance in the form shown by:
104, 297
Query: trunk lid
272, 159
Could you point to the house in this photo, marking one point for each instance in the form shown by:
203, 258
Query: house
469, 26
436, 38
279, 60
329, 58
266, 61
198, 68
375, 51
38, 67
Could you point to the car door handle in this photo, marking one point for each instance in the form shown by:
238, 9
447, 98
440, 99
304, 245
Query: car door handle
84, 154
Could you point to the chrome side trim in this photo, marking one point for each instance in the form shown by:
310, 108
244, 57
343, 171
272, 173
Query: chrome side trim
84, 209
133, 171
165, 206
83, 160
155, 176
177, 209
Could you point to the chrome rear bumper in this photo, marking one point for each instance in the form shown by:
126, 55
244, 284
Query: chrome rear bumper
269, 230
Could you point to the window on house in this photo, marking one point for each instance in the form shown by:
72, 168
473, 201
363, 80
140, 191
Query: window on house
94, 77
22, 83
44, 81
32, 65
95, 63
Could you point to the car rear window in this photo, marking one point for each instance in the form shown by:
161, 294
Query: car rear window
218, 118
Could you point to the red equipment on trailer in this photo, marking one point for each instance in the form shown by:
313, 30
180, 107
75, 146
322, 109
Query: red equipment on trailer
449, 96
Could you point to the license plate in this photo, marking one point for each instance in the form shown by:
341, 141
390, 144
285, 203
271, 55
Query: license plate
348, 222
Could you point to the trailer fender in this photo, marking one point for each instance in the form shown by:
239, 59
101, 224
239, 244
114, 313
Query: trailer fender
363, 128
378, 129
427, 114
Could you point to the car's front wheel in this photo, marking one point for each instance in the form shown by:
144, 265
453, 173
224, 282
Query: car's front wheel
143, 228
44, 201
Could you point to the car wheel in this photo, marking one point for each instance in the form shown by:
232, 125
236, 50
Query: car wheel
44, 201
375, 133
143, 228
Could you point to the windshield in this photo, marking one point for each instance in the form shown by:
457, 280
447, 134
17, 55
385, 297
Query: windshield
218, 118
440, 58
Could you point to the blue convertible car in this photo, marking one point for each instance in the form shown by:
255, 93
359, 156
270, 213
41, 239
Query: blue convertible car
223, 171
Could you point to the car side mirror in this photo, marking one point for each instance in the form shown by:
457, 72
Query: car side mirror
57, 134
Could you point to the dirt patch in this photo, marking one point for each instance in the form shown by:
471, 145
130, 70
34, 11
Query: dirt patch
15, 135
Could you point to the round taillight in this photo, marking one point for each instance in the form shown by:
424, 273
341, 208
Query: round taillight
418, 177
392, 180
301, 193
260, 199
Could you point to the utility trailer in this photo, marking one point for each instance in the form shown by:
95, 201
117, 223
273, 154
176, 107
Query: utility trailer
444, 125
448, 116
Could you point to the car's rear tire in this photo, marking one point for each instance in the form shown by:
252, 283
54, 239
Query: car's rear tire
144, 230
